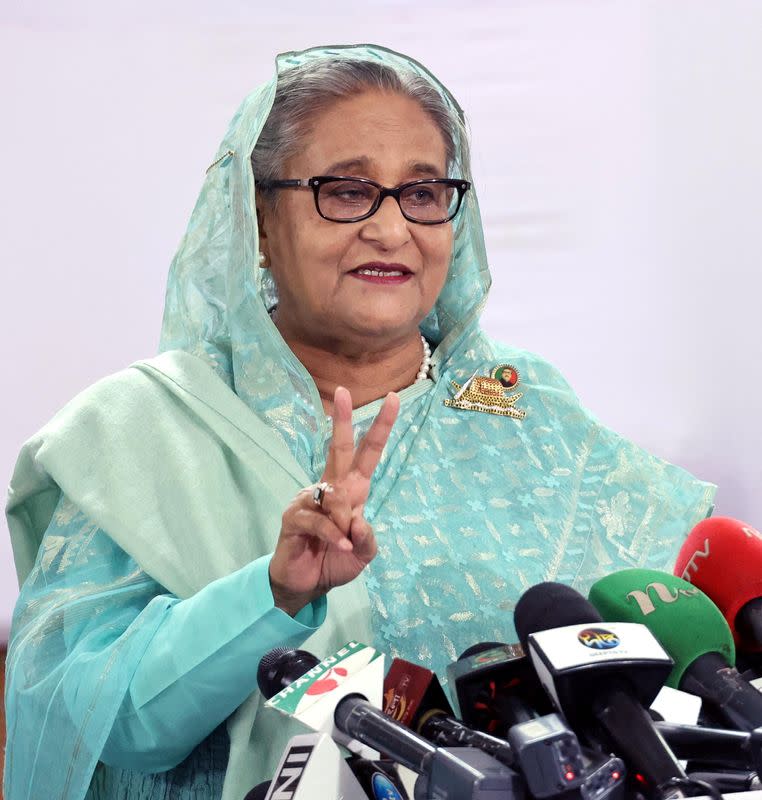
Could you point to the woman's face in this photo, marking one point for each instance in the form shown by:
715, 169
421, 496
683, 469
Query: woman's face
322, 298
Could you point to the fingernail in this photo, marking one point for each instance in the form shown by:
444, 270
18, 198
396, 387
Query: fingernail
345, 544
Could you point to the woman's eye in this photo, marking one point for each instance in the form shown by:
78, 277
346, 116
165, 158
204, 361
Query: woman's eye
422, 196
348, 193
351, 194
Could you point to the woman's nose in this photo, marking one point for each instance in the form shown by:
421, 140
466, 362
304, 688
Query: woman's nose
387, 226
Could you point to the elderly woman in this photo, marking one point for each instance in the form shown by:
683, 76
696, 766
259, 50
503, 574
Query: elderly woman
328, 448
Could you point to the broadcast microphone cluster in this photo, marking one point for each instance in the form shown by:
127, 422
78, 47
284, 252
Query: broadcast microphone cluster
449, 773
541, 758
705, 615
563, 714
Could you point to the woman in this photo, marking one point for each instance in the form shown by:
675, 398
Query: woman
179, 519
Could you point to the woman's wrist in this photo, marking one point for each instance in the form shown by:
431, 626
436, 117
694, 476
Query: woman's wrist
290, 602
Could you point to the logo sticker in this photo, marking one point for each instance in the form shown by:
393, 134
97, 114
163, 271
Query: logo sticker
662, 592
328, 682
383, 788
285, 782
598, 638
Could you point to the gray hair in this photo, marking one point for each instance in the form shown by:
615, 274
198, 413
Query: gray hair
310, 88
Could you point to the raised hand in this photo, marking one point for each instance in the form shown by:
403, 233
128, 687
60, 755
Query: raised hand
329, 545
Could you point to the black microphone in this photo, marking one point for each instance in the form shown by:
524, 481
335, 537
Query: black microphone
716, 746
259, 792
281, 666
749, 628
458, 773
600, 676
441, 729
496, 688
544, 751
729, 781
414, 697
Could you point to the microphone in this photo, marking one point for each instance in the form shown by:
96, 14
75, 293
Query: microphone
599, 676
414, 697
410, 691
441, 729
723, 557
280, 667
332, 698
544, 750
283, 668
311, 698
496, 688
729, 781
445, 773
692, 630
718, 746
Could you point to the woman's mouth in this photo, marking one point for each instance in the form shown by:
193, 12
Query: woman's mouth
382, 273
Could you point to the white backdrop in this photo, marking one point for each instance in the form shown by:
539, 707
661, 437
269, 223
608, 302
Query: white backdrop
617, 159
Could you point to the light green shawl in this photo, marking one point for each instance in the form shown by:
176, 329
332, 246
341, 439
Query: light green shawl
197, 493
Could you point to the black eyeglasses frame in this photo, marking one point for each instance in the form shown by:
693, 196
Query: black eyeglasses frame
316, 181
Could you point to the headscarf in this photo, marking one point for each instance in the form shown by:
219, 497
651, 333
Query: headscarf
218, 298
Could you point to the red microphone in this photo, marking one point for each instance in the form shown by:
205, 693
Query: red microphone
723, 557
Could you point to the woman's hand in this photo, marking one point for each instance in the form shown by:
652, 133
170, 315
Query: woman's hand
325, 546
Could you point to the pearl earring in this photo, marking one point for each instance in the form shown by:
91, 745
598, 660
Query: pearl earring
262, 260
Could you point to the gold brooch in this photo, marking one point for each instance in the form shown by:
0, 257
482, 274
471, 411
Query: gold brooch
489, 394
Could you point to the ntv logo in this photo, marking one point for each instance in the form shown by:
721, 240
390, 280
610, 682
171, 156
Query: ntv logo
692, 564
692, 567
662, 592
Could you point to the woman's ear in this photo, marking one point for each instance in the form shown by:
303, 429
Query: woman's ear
264, 254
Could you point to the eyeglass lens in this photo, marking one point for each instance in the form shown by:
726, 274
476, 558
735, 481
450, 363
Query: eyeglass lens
427, 202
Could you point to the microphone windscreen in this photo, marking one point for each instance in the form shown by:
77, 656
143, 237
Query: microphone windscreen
684, 620
551, 605
259, 792
281, 666
723, 557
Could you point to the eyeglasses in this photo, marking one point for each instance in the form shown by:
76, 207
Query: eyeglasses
339, 199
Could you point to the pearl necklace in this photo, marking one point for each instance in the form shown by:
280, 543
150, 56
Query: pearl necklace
423, 372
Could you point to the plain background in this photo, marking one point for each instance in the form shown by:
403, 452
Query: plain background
617, 160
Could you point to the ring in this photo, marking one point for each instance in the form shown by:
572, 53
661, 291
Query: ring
318, 493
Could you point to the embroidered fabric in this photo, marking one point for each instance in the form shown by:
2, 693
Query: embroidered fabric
471, 509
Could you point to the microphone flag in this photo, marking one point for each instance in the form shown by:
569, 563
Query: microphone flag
311, 700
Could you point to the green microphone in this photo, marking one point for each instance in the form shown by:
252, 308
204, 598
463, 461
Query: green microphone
692, 630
